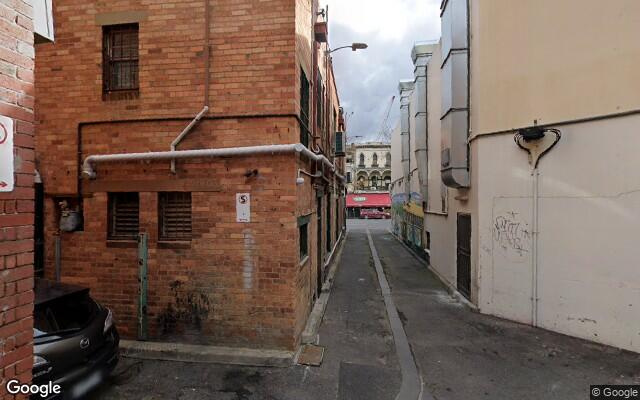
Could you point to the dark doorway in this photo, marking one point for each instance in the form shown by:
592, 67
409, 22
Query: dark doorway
464, 255
38, 234
319, 249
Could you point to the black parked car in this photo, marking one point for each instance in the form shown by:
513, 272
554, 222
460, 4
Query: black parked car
75, 339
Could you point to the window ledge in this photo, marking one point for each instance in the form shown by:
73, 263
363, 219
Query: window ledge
174, 244
122, 243
125, 94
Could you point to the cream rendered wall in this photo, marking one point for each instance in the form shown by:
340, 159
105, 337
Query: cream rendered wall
396, 161
580, 63
413, 175
589, 213
552, 61
439, 222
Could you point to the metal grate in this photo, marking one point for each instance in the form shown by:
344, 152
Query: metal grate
120, 53
174, 220
304, 108
124, 215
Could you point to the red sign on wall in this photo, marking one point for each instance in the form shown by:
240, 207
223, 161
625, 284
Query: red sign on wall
6, 154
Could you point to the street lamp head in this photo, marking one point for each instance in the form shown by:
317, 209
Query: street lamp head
359, 46
352, 46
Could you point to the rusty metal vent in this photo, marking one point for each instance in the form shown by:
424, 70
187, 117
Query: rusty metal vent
124, 215
174, 220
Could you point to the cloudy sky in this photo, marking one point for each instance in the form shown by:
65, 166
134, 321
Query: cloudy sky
368, 78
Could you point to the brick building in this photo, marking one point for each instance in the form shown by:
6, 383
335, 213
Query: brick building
129, 77
18, 32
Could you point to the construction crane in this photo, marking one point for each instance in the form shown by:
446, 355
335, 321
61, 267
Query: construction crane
384, 135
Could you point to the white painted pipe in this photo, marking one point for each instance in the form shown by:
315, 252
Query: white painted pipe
184, 133
534, 248
91, 161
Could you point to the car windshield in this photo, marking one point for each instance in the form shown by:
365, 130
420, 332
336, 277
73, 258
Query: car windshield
63, 315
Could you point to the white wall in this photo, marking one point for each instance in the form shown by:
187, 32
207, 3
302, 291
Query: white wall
439, 222
589, 215
413, 174
552, 61
396, 154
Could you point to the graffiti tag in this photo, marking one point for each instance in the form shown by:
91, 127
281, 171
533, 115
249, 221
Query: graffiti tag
511, 234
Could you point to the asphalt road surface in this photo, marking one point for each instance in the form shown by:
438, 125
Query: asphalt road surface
461, 355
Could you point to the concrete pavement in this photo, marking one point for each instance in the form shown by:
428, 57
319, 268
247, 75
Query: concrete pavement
359, 363
464, 355
460, 354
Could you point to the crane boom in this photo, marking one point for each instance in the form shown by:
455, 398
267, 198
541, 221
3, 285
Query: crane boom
384, 135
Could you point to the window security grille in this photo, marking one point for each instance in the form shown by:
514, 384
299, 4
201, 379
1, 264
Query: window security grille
120, 58
174, 220
124, 215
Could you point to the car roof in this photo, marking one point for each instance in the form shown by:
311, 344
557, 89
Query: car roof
46, 290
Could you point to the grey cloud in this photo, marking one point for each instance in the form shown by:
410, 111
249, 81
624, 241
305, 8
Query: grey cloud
367, 79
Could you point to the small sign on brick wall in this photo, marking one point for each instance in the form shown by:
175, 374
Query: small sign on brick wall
243, 207
6, 154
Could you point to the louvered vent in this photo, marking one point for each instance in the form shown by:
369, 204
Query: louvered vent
175, 216
124, 215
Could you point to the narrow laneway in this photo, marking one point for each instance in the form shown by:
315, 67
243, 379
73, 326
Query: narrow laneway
464, 355
360, 359
460, 354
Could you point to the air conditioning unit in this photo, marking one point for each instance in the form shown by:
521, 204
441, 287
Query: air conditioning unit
341, 144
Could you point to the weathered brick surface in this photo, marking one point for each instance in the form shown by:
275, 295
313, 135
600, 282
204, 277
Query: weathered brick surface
232, 284
16, 208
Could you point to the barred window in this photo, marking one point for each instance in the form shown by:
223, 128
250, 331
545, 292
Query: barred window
174, 220
124, 216
120, 58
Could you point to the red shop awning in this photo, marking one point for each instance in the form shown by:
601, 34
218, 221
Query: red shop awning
369, 200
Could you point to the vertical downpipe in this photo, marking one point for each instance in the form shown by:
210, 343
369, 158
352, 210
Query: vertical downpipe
534, 259
143, 328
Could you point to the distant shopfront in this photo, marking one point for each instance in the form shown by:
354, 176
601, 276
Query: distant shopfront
357, 202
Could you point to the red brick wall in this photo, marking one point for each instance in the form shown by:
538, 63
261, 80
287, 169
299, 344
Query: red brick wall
247, 275
252, 69
16, 208
242, 274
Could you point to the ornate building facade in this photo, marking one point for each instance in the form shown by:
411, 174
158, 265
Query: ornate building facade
368, 167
